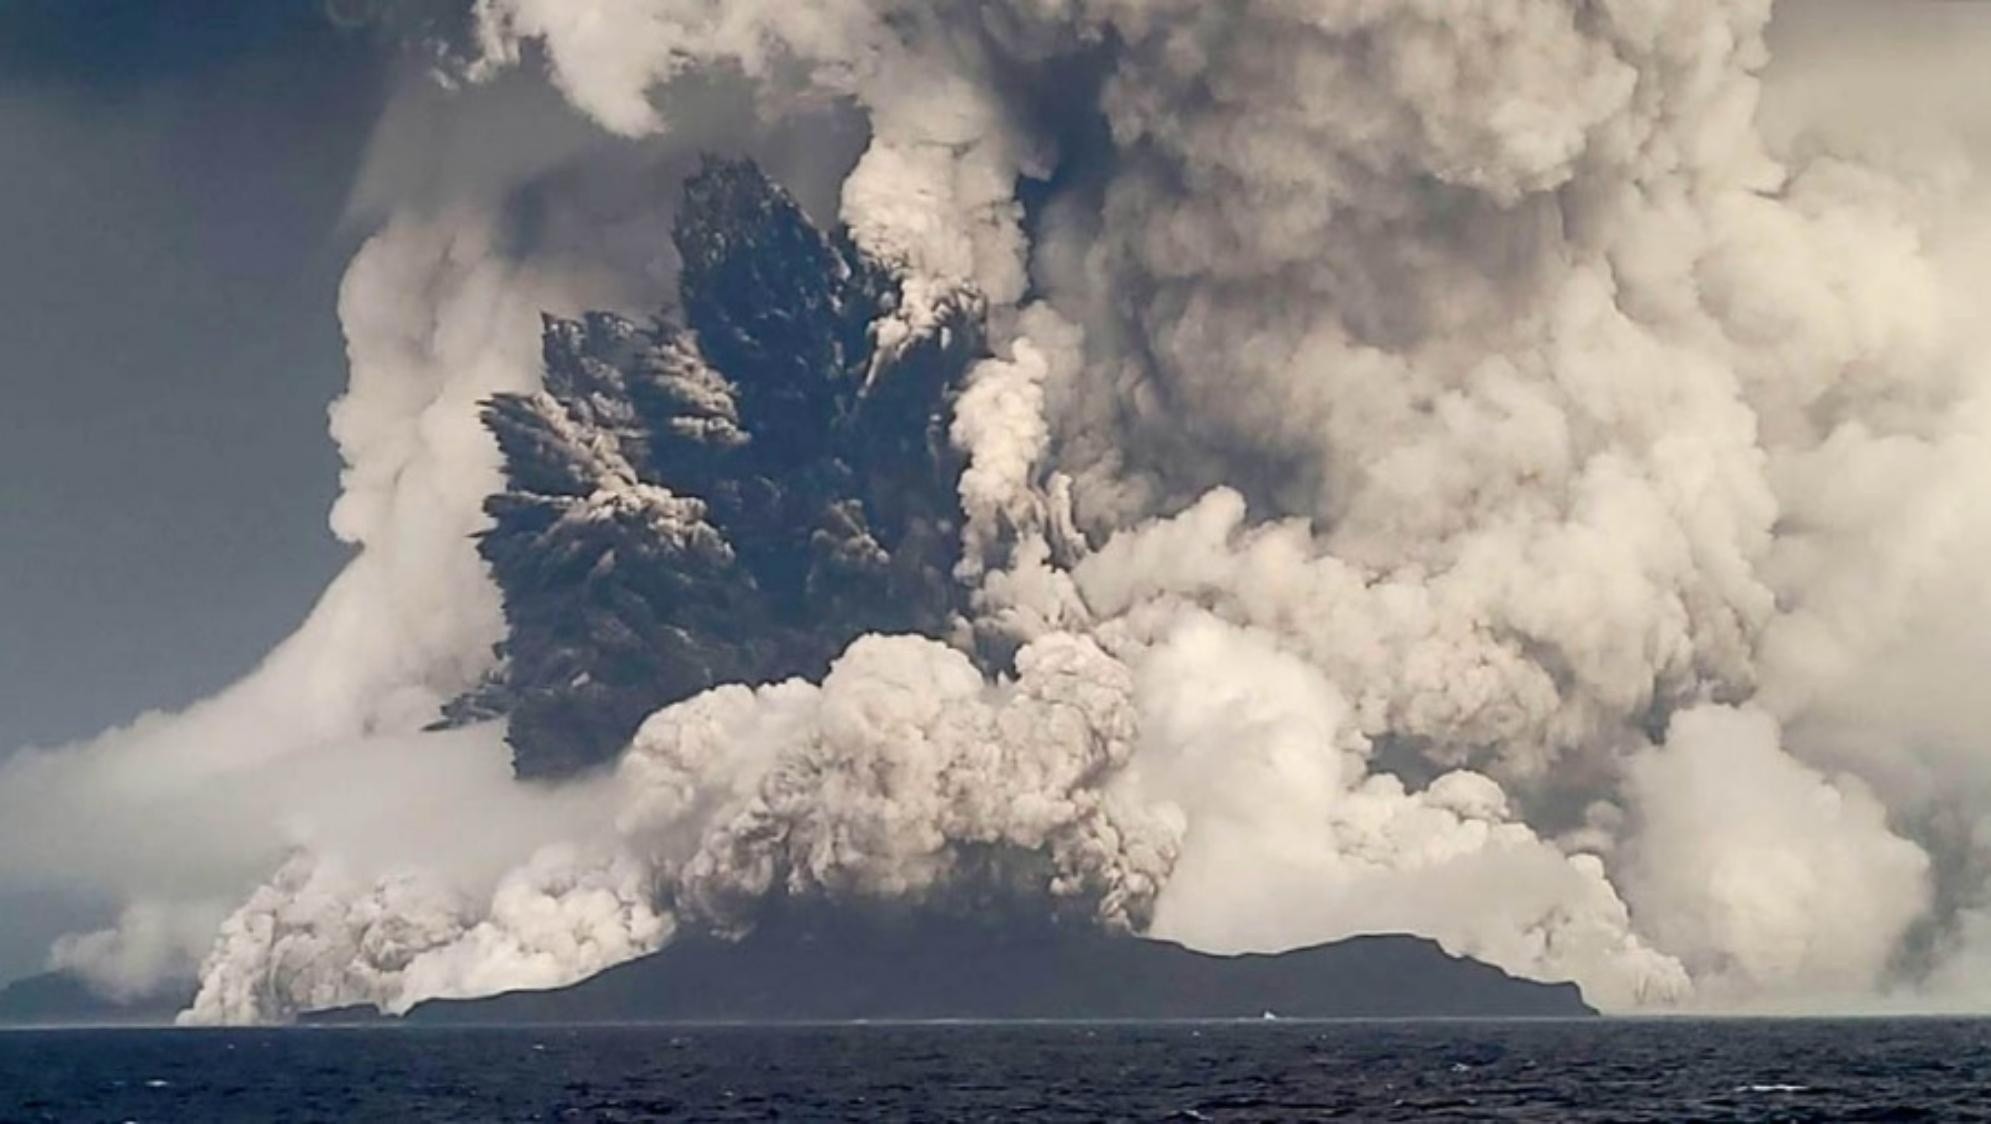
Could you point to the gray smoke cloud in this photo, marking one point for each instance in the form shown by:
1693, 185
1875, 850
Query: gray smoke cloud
1509, 472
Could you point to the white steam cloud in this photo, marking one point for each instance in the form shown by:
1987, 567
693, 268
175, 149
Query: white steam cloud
1503, 471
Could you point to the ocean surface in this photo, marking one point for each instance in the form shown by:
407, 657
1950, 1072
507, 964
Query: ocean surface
1540, 1071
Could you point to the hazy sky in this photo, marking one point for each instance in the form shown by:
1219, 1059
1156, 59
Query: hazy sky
170, 249
171, 242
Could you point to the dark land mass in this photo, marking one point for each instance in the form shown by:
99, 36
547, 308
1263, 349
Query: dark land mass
798, 972
839, 970
59, 999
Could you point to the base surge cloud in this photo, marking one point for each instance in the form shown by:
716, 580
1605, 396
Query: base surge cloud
1249, 475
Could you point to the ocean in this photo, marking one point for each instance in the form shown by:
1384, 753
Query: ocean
1602, 1070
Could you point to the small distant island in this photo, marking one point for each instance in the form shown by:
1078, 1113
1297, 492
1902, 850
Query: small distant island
820, 969
57, 999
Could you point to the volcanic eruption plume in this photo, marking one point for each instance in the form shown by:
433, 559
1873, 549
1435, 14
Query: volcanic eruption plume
1246, 474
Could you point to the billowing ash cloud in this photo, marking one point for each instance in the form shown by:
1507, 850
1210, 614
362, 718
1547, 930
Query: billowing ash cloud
1248, 474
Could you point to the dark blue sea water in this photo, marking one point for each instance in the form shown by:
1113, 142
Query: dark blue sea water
1615, 1071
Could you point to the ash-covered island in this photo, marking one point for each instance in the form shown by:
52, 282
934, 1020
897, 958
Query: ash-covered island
847, 967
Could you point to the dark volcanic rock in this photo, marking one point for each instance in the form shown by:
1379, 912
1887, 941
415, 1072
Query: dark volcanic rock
60, 999
955, 970
732, 498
